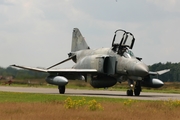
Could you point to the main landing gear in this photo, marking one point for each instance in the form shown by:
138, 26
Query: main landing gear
61, 89
137, 88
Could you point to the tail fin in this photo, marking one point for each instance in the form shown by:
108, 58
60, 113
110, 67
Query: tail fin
78, 41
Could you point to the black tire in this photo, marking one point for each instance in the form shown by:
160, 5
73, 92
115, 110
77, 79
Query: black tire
137, 89
137, 92
129, 92
61, 89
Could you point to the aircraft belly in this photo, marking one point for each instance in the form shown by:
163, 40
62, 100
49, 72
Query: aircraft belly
102, 81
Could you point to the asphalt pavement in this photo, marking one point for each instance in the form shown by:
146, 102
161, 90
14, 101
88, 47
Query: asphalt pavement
94, 93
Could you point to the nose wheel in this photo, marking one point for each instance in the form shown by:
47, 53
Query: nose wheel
131, 86
129, 92
137, 92
137, 88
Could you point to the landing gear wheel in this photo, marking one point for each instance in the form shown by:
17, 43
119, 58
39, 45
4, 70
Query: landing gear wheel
129, 92
137, 92
137, 89
61, 89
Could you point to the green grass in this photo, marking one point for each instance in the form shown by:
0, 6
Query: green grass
32, 97
30, 106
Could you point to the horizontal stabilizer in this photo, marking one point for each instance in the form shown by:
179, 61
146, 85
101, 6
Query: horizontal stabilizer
62, 61
30, 68
159, 72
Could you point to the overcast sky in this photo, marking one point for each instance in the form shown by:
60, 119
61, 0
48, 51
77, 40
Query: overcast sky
38, 33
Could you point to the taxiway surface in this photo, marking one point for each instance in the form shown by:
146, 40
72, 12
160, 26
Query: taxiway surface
94, 93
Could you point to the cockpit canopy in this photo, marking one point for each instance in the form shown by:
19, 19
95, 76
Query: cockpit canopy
128, 53
122, 40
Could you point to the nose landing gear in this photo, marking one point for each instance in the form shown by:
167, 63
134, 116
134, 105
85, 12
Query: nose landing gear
137, 88
131, 85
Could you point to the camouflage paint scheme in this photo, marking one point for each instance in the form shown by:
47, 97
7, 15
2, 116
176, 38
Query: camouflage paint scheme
104, 67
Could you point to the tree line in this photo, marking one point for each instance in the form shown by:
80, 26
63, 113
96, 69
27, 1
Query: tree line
21, 74
172, 76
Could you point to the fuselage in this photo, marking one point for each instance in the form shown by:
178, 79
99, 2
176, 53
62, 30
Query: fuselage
124, 64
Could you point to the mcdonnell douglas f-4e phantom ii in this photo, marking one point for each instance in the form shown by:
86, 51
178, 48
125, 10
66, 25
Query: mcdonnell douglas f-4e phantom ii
103, 67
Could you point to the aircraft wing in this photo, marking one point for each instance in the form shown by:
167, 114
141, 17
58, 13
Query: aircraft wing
72, 71
62, 71
159, 72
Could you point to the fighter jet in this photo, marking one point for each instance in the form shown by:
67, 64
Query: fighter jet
103, 67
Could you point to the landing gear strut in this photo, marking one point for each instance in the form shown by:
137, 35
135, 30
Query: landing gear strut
61, 89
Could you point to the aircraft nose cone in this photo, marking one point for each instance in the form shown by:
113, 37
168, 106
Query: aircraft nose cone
141, 70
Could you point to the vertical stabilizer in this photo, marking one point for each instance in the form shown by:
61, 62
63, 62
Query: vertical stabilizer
78, 41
